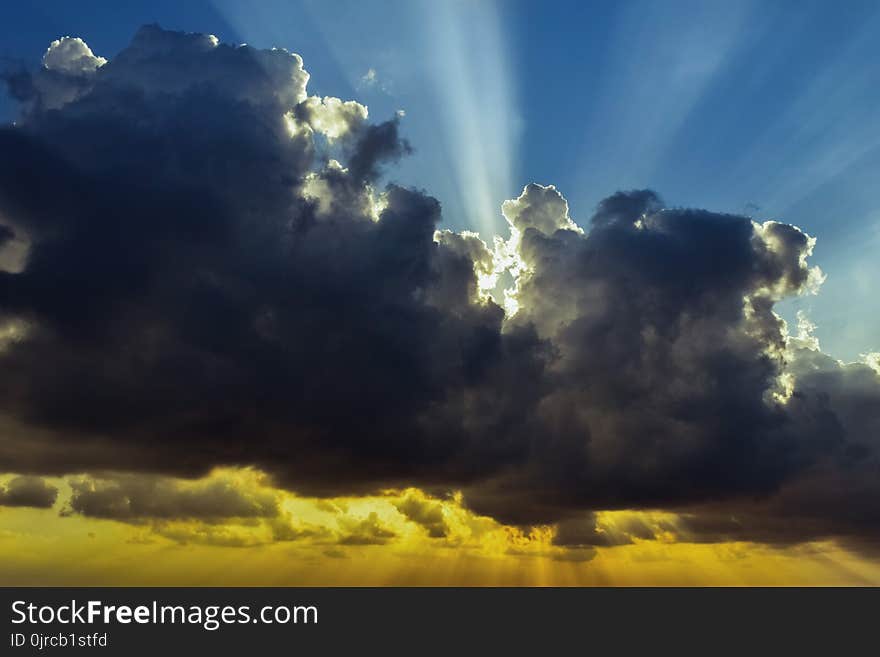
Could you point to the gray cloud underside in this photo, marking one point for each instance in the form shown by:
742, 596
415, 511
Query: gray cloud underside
28, 491
137, 497
204, 286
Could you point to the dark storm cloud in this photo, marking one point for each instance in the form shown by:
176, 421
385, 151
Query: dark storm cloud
28, 491
838, 496
658, 391
425, 512
578, 532
377, 144
189, 304
204, 287
135, 497
6, 234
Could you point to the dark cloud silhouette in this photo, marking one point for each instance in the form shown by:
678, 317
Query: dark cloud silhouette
838, 495
191, 305
214, 277
136, 497
28, 491
666, 352
6, 234
425, 512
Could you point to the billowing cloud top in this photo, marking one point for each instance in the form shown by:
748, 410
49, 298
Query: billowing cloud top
71, 56
207, 274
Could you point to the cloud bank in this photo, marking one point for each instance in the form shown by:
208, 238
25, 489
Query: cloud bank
210, 273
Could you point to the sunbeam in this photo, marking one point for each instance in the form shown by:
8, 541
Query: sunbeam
476, 104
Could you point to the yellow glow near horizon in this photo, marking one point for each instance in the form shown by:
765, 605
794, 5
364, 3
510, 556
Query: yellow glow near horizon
370, 541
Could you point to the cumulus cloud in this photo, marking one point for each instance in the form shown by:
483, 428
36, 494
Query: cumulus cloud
330, 116
67, 73
208, 284
138, 497
228, 508
624, 528
73, 56
425, 512
541, 208
368, 531
28, 491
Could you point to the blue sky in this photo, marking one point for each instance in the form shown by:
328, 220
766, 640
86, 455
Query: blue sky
768, 109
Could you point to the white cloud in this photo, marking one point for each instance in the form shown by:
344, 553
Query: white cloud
73, 56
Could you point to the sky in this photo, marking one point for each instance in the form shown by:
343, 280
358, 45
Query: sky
731, 106
229, 327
